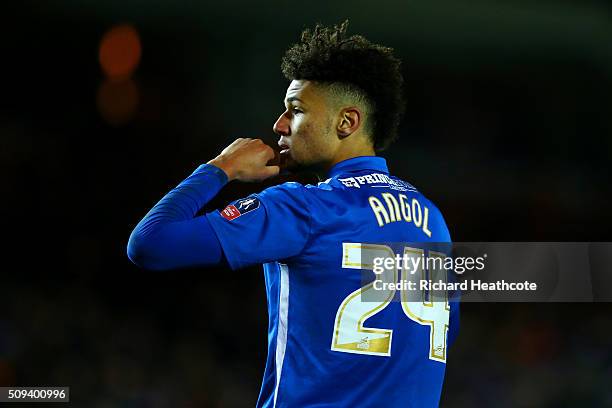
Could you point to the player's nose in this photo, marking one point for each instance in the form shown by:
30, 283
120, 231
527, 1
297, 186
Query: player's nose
281, 126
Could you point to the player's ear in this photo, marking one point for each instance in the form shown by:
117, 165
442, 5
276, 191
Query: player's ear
350, 120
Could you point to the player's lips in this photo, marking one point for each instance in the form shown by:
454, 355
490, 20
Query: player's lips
284, 148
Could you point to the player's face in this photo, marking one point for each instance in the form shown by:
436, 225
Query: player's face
306, 127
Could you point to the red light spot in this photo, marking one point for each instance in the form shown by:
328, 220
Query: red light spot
120, 51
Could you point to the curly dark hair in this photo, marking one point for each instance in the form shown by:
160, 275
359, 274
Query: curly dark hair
327, 55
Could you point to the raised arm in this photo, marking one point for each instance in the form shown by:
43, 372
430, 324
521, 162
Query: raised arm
170, 235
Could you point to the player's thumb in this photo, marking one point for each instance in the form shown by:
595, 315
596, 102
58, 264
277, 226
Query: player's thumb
271, 171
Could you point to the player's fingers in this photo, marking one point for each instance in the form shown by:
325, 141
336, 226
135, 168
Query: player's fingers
267, 152
274, 161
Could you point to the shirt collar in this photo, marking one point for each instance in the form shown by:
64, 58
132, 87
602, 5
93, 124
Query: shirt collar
359, 163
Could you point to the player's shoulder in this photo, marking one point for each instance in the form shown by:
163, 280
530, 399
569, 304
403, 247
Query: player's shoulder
287, 188
293, 188
304, 196
290, 193
426, 200
437, 219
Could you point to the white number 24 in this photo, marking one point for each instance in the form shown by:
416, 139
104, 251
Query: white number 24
350, 336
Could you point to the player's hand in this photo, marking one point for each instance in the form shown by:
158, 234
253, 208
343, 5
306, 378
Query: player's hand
246, 160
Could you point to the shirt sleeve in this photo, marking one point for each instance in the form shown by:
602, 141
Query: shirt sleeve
170, 235
270, 226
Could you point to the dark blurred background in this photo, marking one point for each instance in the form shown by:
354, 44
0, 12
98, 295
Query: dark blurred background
106, 105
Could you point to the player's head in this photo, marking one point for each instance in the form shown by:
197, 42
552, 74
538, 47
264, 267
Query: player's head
345, 96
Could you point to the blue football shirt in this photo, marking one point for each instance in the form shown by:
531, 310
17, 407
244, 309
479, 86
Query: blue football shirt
326, 347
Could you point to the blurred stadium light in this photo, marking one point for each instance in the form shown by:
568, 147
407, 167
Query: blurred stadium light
119, 55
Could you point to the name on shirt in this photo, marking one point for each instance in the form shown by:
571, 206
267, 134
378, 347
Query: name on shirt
388, 208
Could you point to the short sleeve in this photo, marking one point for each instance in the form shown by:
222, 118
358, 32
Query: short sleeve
265, 227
